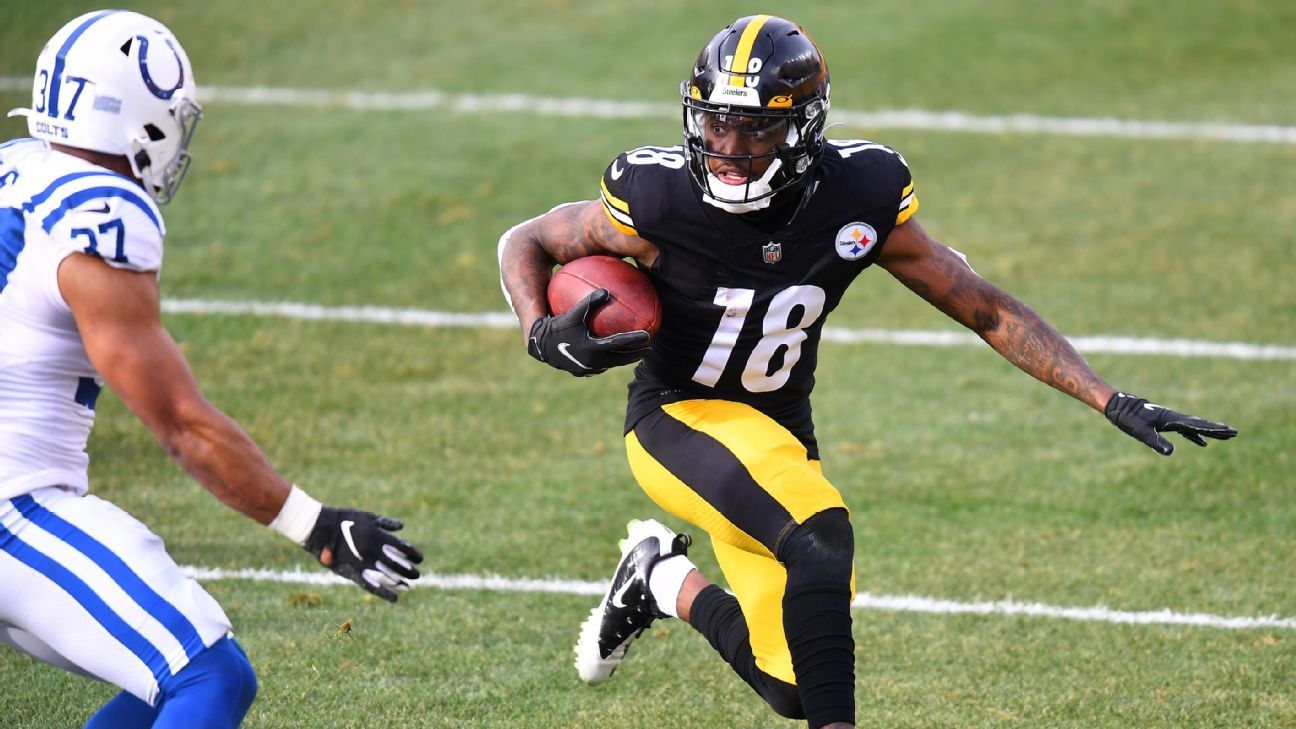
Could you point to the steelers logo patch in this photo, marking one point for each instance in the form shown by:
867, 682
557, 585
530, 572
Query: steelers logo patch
855, 240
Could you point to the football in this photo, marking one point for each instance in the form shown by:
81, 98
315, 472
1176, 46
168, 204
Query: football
634, 304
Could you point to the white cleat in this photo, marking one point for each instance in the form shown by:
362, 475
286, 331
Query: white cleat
627, 608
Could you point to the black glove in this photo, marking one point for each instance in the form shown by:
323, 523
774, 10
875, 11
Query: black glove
362, 548
564, 341
1147, 421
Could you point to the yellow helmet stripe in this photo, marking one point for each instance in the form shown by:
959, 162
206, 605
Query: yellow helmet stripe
742, 56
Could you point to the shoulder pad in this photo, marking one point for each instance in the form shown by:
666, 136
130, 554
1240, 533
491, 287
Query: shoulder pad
104, 216
887, 169
614, 193
628, 172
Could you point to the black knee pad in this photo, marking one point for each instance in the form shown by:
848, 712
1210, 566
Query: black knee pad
822, 548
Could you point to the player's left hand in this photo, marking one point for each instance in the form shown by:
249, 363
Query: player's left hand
360, 546
1147, 421
564, 341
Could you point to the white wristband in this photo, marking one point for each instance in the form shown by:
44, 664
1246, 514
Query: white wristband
298, 516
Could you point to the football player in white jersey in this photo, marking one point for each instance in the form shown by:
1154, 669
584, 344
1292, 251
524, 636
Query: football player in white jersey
87, 587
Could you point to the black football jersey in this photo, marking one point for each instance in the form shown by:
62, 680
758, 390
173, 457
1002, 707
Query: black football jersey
744, 297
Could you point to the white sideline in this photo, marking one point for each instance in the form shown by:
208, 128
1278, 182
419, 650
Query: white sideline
863, 601
945, 121
502, 320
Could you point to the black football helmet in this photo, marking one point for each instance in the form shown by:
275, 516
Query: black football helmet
764, 73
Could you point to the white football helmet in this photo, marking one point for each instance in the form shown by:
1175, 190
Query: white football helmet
118, 82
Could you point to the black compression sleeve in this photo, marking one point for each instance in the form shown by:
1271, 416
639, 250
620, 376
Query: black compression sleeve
816, 615
717, 615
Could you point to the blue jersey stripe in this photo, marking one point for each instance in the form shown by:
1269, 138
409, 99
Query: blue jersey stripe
13, 238
13, 223
90, 193
56, 78
172, 619
53, 187
91, 602
19, 140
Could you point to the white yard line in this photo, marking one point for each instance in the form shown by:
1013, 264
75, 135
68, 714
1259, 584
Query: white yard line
945, 121
865, 601
950, 121
363, 314
503, 320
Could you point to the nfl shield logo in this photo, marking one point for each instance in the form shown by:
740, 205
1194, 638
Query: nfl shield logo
772, 252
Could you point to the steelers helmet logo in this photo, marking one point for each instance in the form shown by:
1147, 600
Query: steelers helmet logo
855, 240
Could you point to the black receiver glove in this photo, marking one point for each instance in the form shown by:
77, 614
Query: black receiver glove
1147, 421
564, 341
363, 549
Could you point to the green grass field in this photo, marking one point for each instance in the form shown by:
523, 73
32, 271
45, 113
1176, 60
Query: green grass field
968, 480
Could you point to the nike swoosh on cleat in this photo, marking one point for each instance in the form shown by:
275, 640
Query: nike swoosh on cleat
618, 597
346, 534
562, 348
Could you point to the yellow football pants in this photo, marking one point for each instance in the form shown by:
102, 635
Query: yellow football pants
745, 480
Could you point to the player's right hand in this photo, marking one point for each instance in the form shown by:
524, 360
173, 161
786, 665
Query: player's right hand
564, 341
360, 546
1146, 421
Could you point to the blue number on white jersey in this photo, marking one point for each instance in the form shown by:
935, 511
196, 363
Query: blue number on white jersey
53, 205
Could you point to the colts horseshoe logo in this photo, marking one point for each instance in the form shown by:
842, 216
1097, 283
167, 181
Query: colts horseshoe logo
156, 90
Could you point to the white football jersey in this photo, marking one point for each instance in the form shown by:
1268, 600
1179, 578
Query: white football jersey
51, 206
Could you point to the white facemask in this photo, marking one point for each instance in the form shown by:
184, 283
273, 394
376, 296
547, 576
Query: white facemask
729, 197
725, 193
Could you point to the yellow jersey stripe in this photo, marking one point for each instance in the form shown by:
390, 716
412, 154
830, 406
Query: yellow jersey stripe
615, 201
617, 223
908, 211
908, 189
742, 56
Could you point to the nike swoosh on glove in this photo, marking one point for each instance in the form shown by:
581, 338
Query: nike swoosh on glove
564, 341
360, 546
1147, 421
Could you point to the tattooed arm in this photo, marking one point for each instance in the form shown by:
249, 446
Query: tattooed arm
529, 250
943, 278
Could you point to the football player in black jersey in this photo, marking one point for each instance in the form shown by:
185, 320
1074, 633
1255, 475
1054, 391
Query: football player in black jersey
751, 231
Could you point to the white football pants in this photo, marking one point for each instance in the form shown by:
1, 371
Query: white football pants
88, 588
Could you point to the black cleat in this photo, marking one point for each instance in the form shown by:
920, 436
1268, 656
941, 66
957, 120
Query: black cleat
628, 607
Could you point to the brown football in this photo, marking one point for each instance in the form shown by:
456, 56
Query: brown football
634, 304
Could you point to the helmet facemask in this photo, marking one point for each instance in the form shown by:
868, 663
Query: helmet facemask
789, 158
758, 78
161, 159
